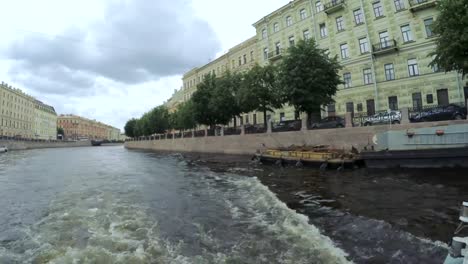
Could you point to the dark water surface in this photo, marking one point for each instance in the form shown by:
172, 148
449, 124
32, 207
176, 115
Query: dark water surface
111, 205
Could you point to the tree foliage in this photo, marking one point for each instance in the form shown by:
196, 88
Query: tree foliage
260, 90
451, 53
130, 128
309, 77
184, 117
215, 101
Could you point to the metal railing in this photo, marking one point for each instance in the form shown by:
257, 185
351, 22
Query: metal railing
286, 126
418, 2
229, 131
333, 5
255, 129
384, 46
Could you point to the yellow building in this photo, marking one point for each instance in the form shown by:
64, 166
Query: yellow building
17, 113
80, 128
45, 121
383, 47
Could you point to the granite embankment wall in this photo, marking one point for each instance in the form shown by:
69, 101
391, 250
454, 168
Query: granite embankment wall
23, 145
342, 138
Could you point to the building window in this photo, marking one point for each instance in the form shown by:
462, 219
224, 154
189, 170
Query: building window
344, 51
399, 5
252, 55
406, 32
245, 59
331, 108
291, 41
435, 67
289, 21
417, 101
358, 16
278, 48
430, 99
282, 117
275, 27
363, 45
339, 23
347, 80
413, 67
378, 9
384, 39
264, 33
265, 53
306, 34
367, 74
393, 103
303, 14
323, 30
318, 6
359, 107
428, 25
240, 61
389, 72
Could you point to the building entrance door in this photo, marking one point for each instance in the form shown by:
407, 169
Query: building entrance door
442, 97
370, 107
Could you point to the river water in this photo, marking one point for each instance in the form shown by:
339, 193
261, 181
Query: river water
112, 205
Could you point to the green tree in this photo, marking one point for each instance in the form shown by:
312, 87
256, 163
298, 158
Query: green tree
60, 131
184, 118
225, 97
451, 52
260, 90
204, 110
158, 121
309, 77
130, 128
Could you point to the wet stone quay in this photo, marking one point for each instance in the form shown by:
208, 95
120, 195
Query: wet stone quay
112, 205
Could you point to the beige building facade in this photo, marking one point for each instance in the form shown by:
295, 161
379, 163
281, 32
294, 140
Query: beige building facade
80, 128
17, 113
383, 46
45, 121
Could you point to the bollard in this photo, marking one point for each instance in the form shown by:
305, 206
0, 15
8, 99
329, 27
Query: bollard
404, 116
269, 127
242, 130
349, 119
304, 122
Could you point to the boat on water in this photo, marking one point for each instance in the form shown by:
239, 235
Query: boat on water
432, 147
3, 149
322, 158
96, 143
458, 252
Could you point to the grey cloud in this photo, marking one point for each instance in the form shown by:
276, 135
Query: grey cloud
137, 41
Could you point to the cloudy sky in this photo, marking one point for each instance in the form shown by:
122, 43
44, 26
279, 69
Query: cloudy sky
111, 60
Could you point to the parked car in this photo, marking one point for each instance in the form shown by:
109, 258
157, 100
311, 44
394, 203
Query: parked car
292, 125
389, 117
440, 113
329, 122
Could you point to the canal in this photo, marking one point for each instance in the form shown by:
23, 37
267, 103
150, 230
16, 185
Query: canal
112, 205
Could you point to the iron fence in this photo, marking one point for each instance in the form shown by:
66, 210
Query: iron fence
187, 134
255, 129
232, 131
199, 133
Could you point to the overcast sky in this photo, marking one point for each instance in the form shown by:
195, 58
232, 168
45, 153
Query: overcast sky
112, 60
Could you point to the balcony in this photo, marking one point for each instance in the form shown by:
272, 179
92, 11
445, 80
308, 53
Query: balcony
333, 6
275, 55
385, 47
418, 5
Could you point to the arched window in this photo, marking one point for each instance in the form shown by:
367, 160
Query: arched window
264, 33
275, 27
289, 21
303, 14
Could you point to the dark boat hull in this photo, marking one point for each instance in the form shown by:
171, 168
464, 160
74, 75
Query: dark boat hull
348, 164
423, 158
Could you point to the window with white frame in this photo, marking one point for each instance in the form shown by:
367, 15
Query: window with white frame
384, 39
413, 69
399, 5
389, 72
435, 67
428, 25
303, 14
378, 9
358, 16
344, 51
289, 21
265, 53
275, 27
406, 32
340, 23
367, 75
318, 6
278, 48
264, 33
306, 34
347, 80
291, 41
323, 30
363, 45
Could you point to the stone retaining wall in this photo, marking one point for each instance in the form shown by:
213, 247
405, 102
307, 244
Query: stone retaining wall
23, 145
342, 138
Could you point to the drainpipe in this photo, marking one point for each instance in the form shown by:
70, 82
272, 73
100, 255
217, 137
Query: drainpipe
374, 75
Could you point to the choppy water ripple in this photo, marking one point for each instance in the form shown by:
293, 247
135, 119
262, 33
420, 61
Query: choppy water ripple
108, 205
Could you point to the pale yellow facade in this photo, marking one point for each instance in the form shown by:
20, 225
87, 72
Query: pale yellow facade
45, 121
80, 128
17, 113
383, 46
